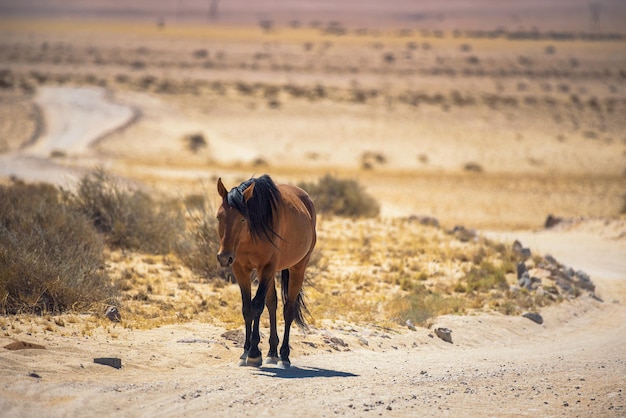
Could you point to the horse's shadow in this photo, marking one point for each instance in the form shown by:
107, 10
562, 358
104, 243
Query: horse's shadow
301, 372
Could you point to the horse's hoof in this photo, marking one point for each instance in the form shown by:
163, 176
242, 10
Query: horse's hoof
255, 361
271, 360
243, 359
284, 364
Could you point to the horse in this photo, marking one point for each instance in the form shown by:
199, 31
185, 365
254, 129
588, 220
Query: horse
267, 228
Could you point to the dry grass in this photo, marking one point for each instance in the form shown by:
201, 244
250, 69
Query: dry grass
50, 257
128, 218
373, 271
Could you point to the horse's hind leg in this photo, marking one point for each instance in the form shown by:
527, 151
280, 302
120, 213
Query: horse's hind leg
292, 280
272, 303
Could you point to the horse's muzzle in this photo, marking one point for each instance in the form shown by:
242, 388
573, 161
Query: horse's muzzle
225, 259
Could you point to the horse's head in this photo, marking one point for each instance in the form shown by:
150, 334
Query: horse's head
232, 224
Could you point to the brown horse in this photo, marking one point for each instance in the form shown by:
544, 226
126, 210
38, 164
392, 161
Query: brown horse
267, 228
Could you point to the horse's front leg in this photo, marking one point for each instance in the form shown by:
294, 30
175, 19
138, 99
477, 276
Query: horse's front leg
243, 279
271, 302
266, 279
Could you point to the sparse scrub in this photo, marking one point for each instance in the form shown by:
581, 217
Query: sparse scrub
422, 305
197, 251
128, 218
485, 277
341, 197
370, 159
473, 167
195, 142
50, 255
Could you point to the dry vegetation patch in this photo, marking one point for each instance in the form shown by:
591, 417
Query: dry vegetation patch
364, 270
390, 271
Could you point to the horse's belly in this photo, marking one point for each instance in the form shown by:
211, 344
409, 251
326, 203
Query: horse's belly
294, 250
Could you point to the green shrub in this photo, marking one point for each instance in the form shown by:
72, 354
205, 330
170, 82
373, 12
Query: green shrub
128, 218
486, 277
50, 255
341, 197
422, 305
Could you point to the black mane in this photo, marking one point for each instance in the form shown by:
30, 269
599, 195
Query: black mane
260, 209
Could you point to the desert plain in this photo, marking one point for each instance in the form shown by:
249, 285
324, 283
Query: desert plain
488, 116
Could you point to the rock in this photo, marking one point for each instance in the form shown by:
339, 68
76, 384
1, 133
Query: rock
535, 282
193, 341
563, 283
235, 336
425, 220
445, 334
113, 314
584, 281
518, 248
552, 260
463, 234
596, 297
523, 277
335, 343
109, 361
410, 325
521, 269
21, 345
535, 317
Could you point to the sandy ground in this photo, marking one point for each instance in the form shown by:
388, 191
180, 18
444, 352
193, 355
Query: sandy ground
572, 365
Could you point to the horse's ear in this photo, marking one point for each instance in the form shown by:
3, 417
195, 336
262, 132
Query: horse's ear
221, 189
247, 194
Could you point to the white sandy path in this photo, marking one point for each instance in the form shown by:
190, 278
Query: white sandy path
74, 118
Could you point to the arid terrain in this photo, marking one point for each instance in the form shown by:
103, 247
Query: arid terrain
485, 118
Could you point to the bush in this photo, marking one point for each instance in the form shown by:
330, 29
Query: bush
129, 219
50, 254
421, 306
198, 250
486, 277
341, 198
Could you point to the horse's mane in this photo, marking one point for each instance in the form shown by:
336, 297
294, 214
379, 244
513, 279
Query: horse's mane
260, 209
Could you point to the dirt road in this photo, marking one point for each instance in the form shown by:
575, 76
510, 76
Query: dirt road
73, 119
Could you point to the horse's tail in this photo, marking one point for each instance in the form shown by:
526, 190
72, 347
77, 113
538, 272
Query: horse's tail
299, 308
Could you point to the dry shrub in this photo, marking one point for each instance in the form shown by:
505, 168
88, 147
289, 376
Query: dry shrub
198, 249
195, 142
128, 218
342, 198
50, 254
